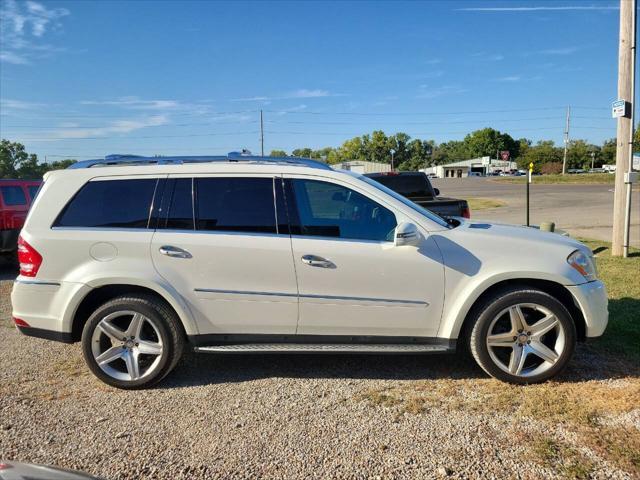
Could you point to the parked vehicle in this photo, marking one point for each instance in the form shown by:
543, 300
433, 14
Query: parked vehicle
145, 257
474, 174
416, 187
16, 197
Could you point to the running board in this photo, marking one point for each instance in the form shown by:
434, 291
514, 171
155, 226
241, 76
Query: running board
325, 348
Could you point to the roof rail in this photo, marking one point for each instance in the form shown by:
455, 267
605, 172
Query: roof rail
232, 157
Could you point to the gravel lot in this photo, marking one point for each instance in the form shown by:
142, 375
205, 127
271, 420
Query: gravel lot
288, 416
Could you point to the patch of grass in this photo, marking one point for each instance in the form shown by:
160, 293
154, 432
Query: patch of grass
620, 275
582, 179
565, 460
477, 203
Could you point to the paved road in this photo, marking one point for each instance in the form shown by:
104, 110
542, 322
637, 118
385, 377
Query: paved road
581, 210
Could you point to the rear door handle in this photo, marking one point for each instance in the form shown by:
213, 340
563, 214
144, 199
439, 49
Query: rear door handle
315, 261
175, 252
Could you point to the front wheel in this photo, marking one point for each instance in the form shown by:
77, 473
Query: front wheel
132, 342
522, 336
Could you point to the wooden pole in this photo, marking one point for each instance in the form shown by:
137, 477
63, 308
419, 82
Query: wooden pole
625, 126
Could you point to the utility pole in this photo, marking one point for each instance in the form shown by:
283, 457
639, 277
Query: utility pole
624, 144
566, 140
261, 135
593, 159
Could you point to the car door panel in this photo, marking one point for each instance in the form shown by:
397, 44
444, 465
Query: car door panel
234, 282
373, 287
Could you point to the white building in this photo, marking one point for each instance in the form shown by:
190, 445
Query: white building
360, 166
460, 169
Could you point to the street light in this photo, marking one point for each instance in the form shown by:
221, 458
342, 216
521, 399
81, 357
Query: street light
392, 154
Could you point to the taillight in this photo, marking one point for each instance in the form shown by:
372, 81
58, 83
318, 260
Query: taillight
466, 213
29, 259
20, 323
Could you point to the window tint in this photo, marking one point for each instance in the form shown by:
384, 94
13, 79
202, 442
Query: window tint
110, 203
13, 195
235, 204
33, 191
329, 210
180, 212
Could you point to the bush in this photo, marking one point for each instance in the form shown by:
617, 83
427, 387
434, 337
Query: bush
551, 168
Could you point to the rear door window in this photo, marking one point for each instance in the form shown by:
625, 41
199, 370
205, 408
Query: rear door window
110, 204
180, 210
13, 196
235, 204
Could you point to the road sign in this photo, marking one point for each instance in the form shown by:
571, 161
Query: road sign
504, 155
530, 172
619, 109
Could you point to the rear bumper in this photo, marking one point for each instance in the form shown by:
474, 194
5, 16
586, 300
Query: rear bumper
46, 306
64, 337
9, 240
592, 299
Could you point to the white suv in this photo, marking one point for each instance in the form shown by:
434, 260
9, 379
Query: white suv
138, 258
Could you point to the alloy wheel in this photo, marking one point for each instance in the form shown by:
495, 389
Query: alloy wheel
127, 345
525, 339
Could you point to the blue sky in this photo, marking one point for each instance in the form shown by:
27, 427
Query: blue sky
88, 78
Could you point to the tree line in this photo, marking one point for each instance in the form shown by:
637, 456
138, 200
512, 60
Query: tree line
409, 153
412, 154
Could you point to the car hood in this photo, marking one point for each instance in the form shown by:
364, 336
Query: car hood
476, 247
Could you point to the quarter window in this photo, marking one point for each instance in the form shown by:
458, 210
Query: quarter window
110, 203
13, 195
235, 204
330, 210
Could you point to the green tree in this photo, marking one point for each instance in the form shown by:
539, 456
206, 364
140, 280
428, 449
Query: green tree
302, 152
636, 139
487, 142
278, 153
15, 162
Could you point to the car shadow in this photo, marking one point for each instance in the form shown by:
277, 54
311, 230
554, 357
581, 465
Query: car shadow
210, 369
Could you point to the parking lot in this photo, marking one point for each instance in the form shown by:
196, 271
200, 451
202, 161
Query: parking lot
584, 211
301, 416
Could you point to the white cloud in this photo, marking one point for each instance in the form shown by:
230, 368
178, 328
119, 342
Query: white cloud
9, 104
304, 93
22, 27
545, 8
300, 93
509, 78
127, 125
428, 93
137, 103
559, 51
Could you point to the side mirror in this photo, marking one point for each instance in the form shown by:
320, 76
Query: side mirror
436, 191
407, 234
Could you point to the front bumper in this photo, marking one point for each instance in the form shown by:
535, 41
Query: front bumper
592, 300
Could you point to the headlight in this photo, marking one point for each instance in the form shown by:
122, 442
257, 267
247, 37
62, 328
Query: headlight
583, 264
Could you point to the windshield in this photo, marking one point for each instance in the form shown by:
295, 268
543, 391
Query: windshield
407, 185
422, 211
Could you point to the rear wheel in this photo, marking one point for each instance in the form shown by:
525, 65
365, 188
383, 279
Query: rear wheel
522, 336
132, 341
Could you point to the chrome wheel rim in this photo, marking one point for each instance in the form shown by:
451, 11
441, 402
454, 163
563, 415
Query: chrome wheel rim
525, 339
127, 345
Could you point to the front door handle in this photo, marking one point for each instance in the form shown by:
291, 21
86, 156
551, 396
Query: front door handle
315, 261
175, 252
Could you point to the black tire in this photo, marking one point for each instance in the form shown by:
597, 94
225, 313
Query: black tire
165, 321
489, 309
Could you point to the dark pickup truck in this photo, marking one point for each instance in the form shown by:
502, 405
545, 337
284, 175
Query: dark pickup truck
417, 188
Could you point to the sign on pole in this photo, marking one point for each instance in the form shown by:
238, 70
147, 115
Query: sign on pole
504, 155
619, 109
530, 172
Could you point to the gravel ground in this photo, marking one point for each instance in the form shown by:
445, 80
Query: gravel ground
281, 416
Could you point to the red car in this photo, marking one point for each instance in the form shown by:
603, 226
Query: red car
16, 197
